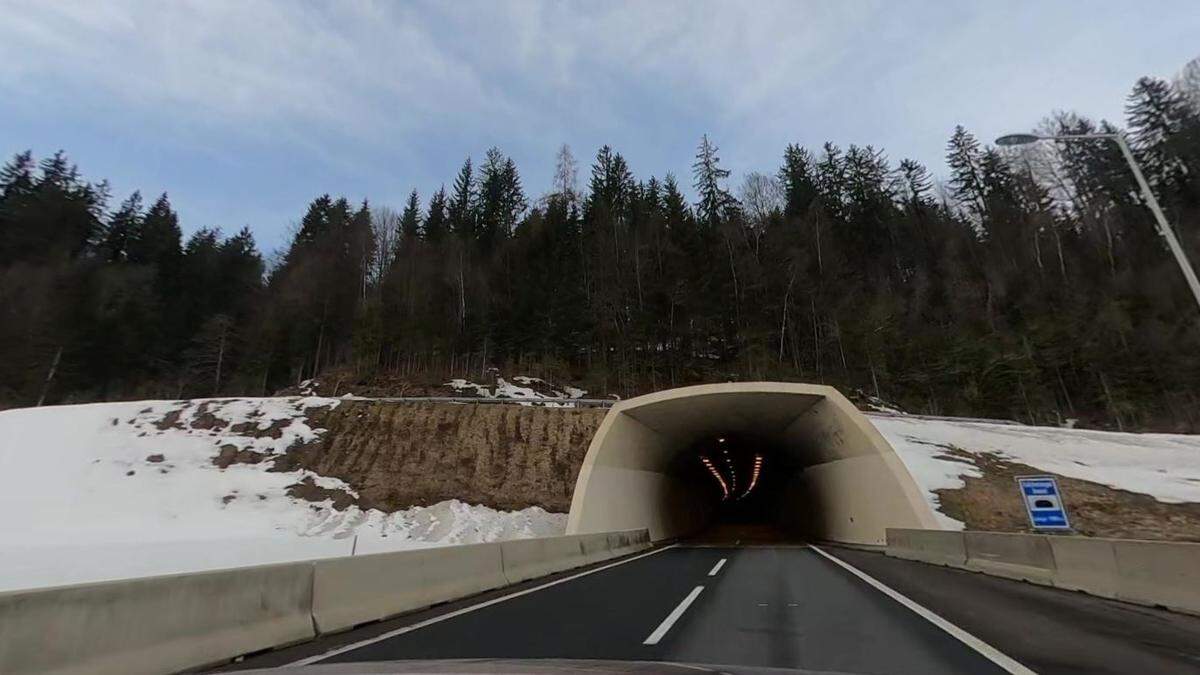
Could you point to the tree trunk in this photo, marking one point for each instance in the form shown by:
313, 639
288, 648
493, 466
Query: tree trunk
816, 337
874, 380
737, 297
783, 323
50, 376
220, 360
1112, 405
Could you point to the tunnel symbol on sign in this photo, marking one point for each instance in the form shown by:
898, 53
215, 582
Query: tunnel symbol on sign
1044, 502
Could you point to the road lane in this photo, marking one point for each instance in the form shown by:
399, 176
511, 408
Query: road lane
788, 607
603, 615
782, 607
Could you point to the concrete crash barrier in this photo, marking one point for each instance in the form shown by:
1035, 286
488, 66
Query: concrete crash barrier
1085, 564
629, 541
526, 559
351, 591
1159, 573
186, 621
1156, 573
1024, 557
939, 547
157, 624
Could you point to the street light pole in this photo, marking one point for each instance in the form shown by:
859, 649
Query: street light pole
1163, 227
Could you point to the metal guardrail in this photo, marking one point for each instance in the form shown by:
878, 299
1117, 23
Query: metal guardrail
943, 418
608, 403
554, 402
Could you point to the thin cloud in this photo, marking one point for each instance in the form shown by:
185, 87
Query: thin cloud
374, 98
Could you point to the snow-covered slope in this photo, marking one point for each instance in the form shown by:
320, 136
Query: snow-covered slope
1163, 466
525, 387
113, 490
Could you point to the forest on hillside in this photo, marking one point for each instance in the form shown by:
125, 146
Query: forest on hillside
1031, 284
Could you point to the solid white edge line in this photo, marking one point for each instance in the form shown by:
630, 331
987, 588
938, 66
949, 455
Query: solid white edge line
666, 624
466, 610
716, 568
987, 651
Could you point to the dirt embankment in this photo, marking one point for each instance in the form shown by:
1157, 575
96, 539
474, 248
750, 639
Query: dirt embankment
993, 503
400, 455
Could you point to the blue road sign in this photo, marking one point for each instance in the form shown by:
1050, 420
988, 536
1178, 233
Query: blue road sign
1044, 503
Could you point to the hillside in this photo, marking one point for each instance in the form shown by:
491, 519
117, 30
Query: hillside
1140, 486
109, 490
117, 489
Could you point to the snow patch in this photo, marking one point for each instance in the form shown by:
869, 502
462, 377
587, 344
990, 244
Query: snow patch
1163, 466
99, 491
506, 389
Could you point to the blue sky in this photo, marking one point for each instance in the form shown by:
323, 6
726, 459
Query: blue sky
245, 111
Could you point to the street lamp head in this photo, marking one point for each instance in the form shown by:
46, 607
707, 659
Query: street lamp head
1017, 139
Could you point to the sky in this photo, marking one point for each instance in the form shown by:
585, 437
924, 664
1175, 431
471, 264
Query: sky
245, 111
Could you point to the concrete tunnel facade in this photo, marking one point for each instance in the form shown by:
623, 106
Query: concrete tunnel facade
838, 478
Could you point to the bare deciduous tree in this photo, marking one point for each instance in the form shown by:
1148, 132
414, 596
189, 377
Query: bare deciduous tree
385, 228
761, 196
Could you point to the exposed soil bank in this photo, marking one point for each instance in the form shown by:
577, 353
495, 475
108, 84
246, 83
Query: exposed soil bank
397, 455
993, 503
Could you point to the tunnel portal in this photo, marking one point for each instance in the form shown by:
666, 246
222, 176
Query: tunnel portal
745, 461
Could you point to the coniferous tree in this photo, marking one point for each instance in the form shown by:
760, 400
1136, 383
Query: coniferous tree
410, 220
714, 198
436, 218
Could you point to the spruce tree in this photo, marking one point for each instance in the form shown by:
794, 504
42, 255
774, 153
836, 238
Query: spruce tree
462, 206
436, 218
410, 220
121, 227
964, 158
709, 179
156, 239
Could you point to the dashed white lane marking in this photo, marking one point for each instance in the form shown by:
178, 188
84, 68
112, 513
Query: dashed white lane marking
466, 610
666, 624
987, 651
716, 568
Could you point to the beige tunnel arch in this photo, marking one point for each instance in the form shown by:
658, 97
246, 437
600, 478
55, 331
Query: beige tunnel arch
844, 483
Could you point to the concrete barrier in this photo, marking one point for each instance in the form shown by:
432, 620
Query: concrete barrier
939, 547
1084, 564
1025, 557
629, 541
155, 625
351, 591
185, 621
526, 559
1156, 573
1159, 573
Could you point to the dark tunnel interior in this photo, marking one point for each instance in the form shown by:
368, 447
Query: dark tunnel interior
744, 477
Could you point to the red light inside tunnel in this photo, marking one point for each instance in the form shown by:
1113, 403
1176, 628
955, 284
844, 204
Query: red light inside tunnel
754, 473
716, 474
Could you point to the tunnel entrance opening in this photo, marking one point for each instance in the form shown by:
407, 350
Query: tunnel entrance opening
743, 475
679, 463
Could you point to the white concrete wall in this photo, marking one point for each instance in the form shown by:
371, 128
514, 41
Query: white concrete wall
181, 622
1154, 573
848, 484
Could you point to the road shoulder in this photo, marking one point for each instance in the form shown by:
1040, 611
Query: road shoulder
1047, 629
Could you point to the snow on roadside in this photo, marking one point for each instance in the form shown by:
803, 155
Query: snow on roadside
506, 389
100, 491
1163, 466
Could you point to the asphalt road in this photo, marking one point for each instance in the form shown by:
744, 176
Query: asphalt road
780, 606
